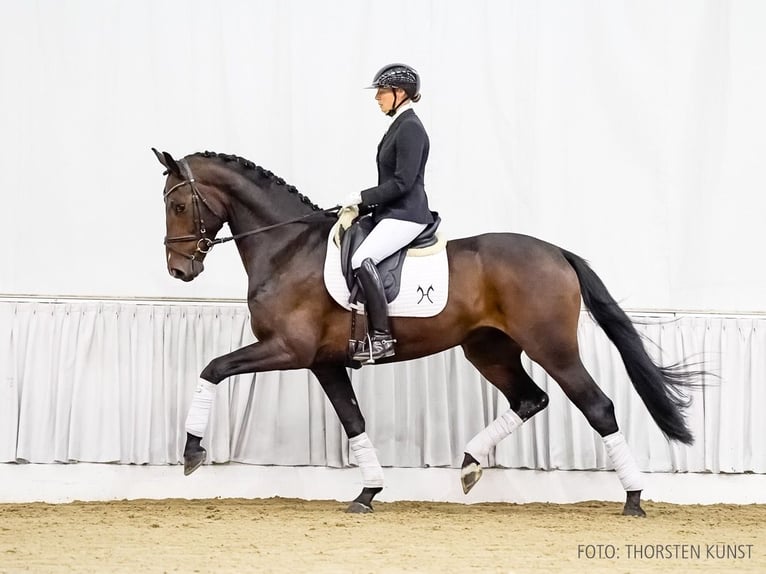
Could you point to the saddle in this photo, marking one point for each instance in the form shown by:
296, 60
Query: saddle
390, 269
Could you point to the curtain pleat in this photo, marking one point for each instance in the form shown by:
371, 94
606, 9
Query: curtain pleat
10, 392
112, 382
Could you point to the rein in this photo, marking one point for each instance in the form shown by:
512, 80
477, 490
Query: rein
205, 244
211, 242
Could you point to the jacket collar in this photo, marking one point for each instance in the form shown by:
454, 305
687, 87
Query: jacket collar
400, 113
401, 109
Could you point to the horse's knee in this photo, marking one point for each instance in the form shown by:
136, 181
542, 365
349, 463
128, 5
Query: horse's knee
532, 404
213, 372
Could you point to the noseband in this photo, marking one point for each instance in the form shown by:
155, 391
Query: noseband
204, 243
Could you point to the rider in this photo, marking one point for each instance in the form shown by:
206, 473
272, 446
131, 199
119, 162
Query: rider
398, 203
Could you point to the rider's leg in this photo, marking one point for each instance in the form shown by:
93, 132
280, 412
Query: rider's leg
386, 238
380, 343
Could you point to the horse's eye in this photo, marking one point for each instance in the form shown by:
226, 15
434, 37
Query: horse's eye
180, 208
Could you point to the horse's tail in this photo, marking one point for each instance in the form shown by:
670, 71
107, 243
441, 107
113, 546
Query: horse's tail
661, 388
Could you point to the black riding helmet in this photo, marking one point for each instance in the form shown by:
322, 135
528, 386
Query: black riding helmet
398, 76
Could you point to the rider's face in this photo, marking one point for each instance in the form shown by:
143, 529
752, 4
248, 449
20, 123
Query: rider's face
385, 98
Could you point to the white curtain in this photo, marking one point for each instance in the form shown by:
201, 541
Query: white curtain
630, 132
112, 381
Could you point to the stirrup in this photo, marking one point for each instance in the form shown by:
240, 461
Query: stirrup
367, 355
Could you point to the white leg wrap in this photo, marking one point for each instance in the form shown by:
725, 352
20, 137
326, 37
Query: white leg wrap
199, 412
480, 445
372, 472
623, 461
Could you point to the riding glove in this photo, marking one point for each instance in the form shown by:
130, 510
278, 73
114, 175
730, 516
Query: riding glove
353, 199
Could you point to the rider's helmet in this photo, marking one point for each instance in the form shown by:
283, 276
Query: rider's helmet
398, 76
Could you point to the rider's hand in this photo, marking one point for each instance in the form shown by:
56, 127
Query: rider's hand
353, 199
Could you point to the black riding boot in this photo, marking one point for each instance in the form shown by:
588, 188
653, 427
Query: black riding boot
379, 343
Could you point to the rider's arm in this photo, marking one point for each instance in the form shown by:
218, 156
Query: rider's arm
410, 143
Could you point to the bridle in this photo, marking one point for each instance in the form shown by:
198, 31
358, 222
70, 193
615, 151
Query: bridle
204, 243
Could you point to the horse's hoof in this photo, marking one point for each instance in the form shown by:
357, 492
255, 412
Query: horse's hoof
358, 508
633, 505
633, 511
469, 476
193, 460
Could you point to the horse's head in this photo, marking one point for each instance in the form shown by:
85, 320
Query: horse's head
191, 220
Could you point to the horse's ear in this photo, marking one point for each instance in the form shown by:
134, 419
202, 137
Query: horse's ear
167, 160
159, 156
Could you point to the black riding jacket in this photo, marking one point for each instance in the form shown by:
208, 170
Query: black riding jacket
401, 159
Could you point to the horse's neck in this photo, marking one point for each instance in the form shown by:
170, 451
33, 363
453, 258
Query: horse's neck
265, 254
261, 207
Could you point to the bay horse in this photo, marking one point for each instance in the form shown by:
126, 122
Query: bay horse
508, 293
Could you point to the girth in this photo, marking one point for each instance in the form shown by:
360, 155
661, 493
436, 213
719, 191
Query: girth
390, 269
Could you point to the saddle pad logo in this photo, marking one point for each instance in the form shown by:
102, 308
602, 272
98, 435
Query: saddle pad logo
425, 294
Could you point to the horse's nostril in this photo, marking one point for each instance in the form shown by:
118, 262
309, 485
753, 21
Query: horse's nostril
177, 273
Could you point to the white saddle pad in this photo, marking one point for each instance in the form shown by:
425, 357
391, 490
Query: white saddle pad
424, 284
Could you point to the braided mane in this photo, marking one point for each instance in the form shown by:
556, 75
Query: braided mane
255, 172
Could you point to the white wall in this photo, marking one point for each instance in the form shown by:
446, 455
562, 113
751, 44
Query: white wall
67, 483
629, 132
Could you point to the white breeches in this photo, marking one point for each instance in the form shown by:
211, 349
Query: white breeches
386, 238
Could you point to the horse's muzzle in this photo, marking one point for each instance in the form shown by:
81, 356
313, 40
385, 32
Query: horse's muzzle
185, 275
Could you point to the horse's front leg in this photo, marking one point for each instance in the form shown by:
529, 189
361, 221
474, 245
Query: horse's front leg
337, 386
269, 355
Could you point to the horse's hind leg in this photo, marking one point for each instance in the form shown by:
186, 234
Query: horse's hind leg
498, 359
337, 386
564, 365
